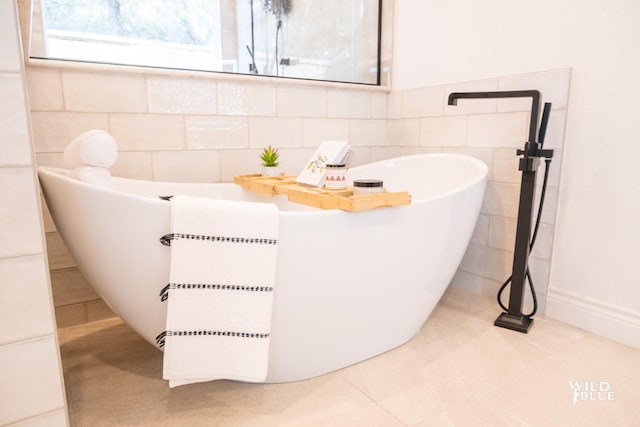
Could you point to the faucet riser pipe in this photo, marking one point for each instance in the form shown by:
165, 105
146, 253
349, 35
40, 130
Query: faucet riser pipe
514, 318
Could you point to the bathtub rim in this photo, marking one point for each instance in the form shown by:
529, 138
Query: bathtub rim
481, 174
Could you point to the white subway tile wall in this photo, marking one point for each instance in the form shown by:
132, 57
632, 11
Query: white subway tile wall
52, 131
21, 234
29, 306
89, 92
403, 131
497, 130
246, 99
350, 104
186, 166
314, 131
275, 131
10, 54
148, 132
367, 133
423, 102
449, 131
31, 376
301, 102
216, 132
32, 391
13, 120
181, 96
48, 83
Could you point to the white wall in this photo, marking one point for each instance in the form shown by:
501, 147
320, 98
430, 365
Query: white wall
593, 283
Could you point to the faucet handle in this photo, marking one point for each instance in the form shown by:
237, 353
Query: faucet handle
537, 153
547, 154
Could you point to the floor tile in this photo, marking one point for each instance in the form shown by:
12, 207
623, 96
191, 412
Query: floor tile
459, 370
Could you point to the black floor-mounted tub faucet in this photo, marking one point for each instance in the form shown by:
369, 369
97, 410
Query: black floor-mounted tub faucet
514, 318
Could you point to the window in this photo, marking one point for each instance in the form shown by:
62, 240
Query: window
134, 32
314, 39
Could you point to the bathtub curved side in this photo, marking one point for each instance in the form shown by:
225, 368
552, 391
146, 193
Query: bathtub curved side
114, 239
355, 285
349, 285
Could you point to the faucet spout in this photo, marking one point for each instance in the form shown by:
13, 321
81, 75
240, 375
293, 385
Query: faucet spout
533, 94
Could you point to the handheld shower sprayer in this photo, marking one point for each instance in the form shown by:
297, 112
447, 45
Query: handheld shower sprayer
513, 317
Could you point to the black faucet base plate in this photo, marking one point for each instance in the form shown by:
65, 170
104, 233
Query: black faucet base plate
515, 323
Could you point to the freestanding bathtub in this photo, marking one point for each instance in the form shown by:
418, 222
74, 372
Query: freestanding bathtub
349, 285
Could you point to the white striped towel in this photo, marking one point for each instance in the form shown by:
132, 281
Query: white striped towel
222, 276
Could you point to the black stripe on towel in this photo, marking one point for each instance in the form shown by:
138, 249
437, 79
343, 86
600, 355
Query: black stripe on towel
217, 334
160, 339
220, 287
166, 239
164, 293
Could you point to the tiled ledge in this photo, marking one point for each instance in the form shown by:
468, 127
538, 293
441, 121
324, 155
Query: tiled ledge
167, 72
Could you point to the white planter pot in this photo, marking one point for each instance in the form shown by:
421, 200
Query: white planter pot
270, 171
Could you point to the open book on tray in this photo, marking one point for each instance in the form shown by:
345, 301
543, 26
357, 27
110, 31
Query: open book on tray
328, 152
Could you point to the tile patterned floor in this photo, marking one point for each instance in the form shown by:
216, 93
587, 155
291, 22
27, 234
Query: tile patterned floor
458, 371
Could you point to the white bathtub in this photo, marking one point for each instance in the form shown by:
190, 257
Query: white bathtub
349, 285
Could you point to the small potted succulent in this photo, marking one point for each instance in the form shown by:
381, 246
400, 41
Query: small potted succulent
269, 157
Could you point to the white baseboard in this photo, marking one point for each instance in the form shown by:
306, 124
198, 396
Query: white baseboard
617, 323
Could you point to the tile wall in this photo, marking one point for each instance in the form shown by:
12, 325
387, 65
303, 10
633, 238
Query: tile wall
32, 389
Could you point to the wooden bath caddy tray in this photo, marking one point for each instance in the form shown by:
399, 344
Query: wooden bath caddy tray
320, 197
